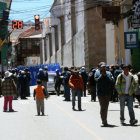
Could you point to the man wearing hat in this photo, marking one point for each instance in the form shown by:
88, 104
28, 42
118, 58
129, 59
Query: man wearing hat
104, 81
126, 86
76, 83
8, 91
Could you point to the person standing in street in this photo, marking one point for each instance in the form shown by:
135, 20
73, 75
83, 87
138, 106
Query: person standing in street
45, 80
91, 84
66, 77
23, 82
137, 93
14, 77
126, 86
84, 75
76, 83
104, 81
57, 81
28, 75
39, 95
9, 90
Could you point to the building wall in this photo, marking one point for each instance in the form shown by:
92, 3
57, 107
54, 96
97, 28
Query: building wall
127, 51
67, 21
79, 9
59, 56
67, 61
85, 41
110, 44
79, 38
95, 38
79, 53
53, 41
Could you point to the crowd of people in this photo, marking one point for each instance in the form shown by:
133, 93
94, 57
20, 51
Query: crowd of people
109, 83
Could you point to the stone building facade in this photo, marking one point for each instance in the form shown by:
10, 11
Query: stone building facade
77, 35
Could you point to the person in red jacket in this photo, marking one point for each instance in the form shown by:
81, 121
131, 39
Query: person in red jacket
77, 86
39, 95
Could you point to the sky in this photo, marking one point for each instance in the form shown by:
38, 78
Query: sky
26, 9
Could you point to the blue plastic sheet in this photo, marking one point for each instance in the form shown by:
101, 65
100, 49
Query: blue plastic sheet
35, 69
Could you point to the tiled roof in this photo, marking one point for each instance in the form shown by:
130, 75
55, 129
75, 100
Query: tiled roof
15, 34
30, 32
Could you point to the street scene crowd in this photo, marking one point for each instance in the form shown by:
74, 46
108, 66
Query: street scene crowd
112, 83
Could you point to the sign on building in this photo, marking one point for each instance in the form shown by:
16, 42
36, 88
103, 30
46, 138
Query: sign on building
33, 61
131, 40
135, 18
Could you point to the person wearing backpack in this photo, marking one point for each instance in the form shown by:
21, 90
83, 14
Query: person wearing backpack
126, 86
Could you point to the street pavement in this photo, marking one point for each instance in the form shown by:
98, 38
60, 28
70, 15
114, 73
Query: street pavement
62, 123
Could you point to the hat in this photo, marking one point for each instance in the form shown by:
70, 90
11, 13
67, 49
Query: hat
125, 66
83, 68
7, 74
40, 69
46, 68
22, 72
75, 70
101, 63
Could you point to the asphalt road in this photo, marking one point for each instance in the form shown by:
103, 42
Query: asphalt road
61, 123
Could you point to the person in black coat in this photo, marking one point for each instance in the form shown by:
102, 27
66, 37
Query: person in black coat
23, 82
104, 80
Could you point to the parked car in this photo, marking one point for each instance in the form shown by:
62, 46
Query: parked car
51, 84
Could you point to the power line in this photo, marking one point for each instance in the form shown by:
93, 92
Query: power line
95, 3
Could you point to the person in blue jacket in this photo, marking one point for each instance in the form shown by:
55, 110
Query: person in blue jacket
66, 77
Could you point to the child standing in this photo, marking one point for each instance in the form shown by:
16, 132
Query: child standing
39, 95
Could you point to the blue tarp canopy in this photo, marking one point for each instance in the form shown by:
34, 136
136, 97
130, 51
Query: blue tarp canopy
35, 69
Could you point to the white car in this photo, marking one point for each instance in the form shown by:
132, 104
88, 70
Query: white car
51, 84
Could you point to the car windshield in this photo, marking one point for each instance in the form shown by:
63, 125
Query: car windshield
51, 78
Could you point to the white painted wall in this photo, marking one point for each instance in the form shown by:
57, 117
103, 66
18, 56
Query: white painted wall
48, 50
53, 41
79, 52
59, 56
79, 9
127, 51
67, 24
110, 44
43, 35
67, 55
53, 59
59, 35
79, 49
